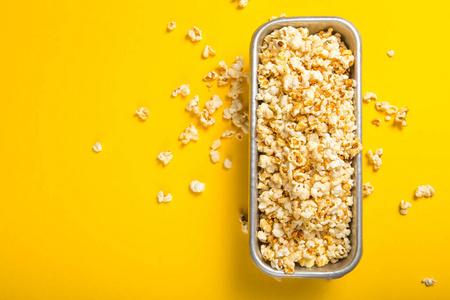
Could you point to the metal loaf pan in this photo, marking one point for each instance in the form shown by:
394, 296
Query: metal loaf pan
352, 39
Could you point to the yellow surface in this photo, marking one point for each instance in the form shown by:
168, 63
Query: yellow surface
79, 225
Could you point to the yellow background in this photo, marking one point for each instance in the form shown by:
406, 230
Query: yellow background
80, 225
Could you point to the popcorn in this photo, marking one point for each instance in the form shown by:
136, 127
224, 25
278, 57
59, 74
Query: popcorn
382, 106
390, 53
183, 90
376, 122
306, 139
429, 281
375, 158
171, 26
274, 18
165, 157
143, 113
197, 187
367, 189
97, 147
227, 163
239, 136
244, 223
400, 117
216, 144
206, 119
213, 104
387, 118
369, 97
404, 207
195, 34
228, 134
162, 198
215, 156
208, 51
189, 134
392, 110
211, 76
242, 3
193, 105
209, 86
424, 191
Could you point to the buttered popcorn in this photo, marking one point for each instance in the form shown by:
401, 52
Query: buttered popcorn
306, 142
195, 34
426, 191
367, 189
404, 205
165, 157
189, 134
375, 158
182, 89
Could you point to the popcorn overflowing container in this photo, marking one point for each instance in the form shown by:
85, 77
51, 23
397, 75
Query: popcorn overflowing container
352, 39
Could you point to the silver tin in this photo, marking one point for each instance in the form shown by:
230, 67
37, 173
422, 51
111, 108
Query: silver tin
352, 39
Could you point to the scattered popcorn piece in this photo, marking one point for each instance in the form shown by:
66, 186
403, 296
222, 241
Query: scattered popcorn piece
165, 157
375, 158
215, 156
227, 163
206, 119
213, 104
387, 118
242, 3
197, 187
193, 105
189, 134
211, 76
376, 122
228, 134
162, 198
208, 51
216, 144
209, 86
426, 191
97, 147
429, 281
143, 113
400, 117
367, 189
171, 26
183, 90
244, 223
392, 110
390, 53
239, 136
404, 207
382, 106
274, 17
369, 96
195, 34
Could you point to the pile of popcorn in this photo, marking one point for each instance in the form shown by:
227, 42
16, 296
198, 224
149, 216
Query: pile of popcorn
306, 142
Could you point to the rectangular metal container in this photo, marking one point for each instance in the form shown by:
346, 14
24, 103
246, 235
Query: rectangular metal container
352, 39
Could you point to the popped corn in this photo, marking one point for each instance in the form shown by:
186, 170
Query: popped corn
375, 158
382, 106
400, 117
228, 134
213, 104
227, 163
390, 53
216, 144
143, 113
376, 122
197, 186
97, 147
387, 118
189, 134
193, 105
195, 34
426, 191
162, 198
208, 51
209, 86
244, 223
404, 207
165, 157
275, 17
429, 281
182, 89
206, 119
171, 26
239, 136
211, 76
215, 156
306, 141
369, 96
367, 189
